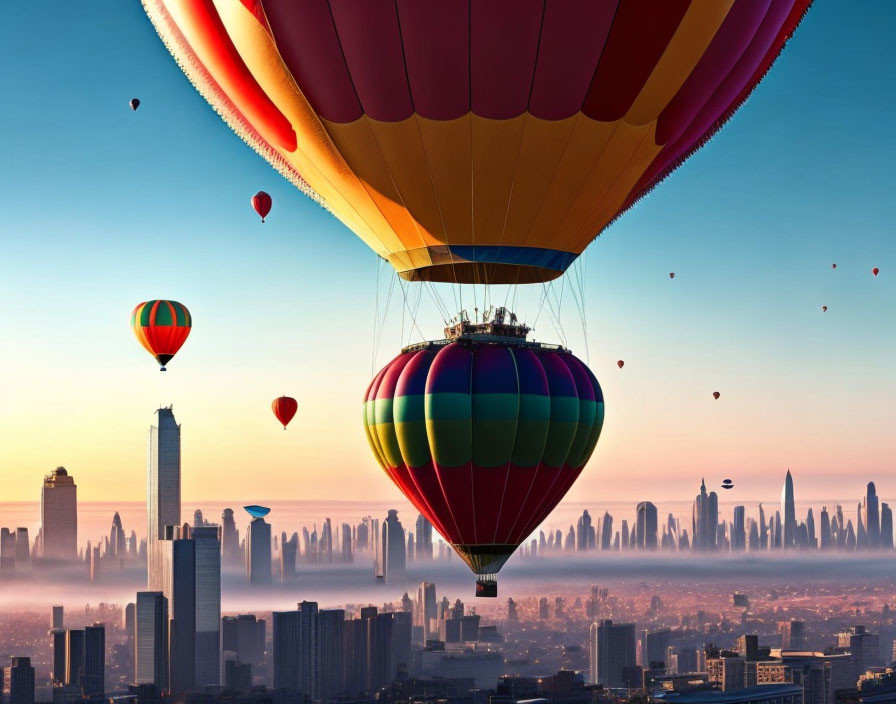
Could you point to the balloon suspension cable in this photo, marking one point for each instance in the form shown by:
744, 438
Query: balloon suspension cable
577, 287
379, 324
412, 314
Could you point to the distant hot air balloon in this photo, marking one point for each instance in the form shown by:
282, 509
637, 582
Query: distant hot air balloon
484, 438
824, 309
716, 394
727, 484
262, 203
875, 271
284, 408
620, 364
161, 327
476, 142
672, 275
833, 266
135, 103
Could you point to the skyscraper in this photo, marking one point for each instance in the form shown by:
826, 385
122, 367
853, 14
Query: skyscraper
151, 639
424, 538
705, 518
286, 650
93, 682
647, 524
59, 516
230, 539
886, 527
788, 512
258, 548
289, 548
178, 557
738, 530
426, 610
21, 681
612, 649
331, 653
393, 551
74, 657
163, 507
208, 604
872, 517
584, 532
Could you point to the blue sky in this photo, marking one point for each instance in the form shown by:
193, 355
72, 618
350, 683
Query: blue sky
103, 207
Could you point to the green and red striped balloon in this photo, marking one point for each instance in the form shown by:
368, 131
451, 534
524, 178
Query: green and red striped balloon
161, 327
484, 439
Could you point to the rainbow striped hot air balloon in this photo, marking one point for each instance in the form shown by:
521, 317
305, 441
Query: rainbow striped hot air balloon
481, 141
161, 327
484, 439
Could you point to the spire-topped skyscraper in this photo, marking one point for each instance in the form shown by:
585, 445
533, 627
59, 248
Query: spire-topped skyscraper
163, 496
872, 517
705, 519
788, 514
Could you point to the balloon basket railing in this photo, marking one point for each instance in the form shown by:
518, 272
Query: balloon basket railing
487, 585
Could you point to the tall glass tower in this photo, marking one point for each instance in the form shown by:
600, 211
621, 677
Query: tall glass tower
163, 490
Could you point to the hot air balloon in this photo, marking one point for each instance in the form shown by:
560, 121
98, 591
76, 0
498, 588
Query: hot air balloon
620, 364
484, 433
715, 395
875, 271
824, 309
135, 103
727, 484
486, 141
671, 274
161, 327
833, 266
284, 408
262, 203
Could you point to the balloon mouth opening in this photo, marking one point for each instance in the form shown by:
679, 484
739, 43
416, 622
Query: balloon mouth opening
481, 272
163, 359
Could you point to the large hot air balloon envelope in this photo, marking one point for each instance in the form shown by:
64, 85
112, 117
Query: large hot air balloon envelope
161, 327
285, 409
481, 141
484, 437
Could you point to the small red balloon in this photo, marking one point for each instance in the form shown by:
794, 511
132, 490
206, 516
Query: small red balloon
875, 271
671, 274
824, 309
620, 364
262, 203
284, 408
716, 394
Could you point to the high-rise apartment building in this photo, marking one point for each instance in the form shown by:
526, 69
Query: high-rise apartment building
427, 610
93, 681
230, 539
20, 676
59, 516
393, 549
151, 639
74, 657
208, 604
258, 549
612, 649
424, 538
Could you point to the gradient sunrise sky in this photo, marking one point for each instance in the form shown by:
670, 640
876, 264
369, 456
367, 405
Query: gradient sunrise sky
103, 208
